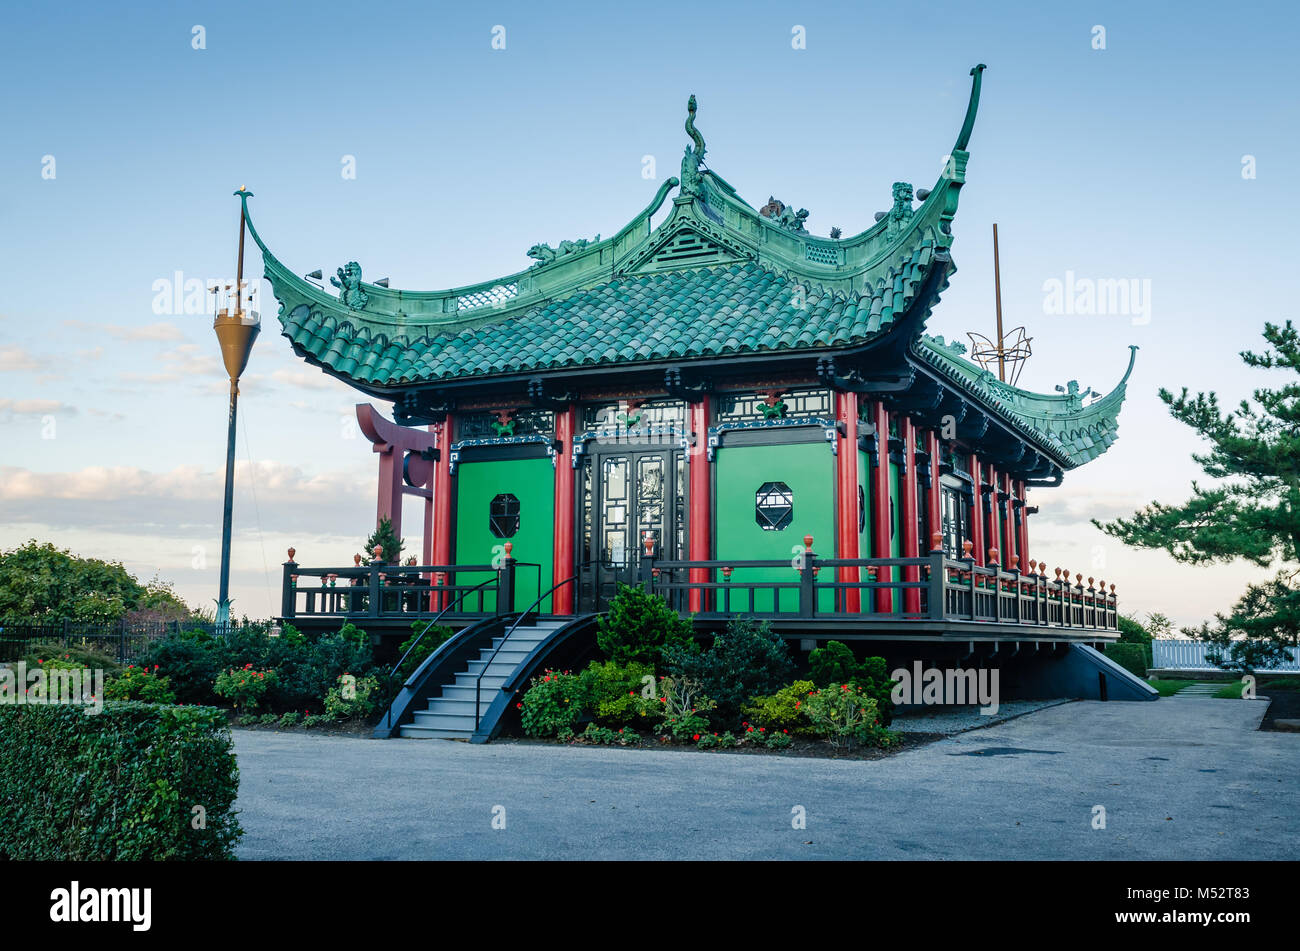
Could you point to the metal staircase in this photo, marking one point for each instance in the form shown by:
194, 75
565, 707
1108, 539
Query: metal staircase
451, 716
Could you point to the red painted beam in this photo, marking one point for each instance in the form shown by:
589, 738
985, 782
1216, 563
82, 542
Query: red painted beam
700, 516
880, 503
846, 492
566, 424
910, 515
933, 498
977, 515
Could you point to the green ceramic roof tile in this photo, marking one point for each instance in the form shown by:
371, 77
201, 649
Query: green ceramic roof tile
633, 319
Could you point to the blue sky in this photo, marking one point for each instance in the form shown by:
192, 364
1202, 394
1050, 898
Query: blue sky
1116, 163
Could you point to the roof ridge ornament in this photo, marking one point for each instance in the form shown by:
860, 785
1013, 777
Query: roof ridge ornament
693, 160
963, 137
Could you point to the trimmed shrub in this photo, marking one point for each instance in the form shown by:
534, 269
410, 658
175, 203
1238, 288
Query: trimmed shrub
639, 627
121, 785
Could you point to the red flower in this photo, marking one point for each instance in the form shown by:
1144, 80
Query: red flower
697, 736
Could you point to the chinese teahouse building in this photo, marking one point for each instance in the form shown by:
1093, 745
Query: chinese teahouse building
747, 417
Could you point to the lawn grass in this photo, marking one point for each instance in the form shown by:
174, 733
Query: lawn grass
1230, 691
1167, 688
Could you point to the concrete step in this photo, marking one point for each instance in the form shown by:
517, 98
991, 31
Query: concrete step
466, 692
443, 721
412, 732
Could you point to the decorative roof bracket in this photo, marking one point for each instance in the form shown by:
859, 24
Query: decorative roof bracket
539, 397
421, 408
852, 381
675, 385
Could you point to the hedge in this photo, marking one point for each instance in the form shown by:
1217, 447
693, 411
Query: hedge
1132, 657
122, 784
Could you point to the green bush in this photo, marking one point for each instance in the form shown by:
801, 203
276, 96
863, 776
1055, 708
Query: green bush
74, 656
244, 687
289, 719
746, 659
436, 637
846, 716
121, 785
779, 741
554, 702
352, 697
607, 737
136, 683
639, 627
614, 692
835, 665
783, 710
1131, 656
190, 660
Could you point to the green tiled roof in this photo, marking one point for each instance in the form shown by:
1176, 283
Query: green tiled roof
740, 308
1061, 423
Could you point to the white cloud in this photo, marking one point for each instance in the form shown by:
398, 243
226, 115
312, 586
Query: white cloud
14, 358
10, 408
161, 330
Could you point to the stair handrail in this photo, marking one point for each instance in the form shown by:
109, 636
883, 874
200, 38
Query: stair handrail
478, 682
415, 643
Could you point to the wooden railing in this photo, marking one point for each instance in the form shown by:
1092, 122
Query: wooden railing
934, 588
380, 590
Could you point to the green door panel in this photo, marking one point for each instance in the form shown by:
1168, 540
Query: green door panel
808, 470
532, 482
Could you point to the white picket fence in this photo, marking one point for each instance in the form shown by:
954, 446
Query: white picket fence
1190, 655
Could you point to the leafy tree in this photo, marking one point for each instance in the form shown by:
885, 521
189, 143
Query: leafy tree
1252, 512
639, 626
40, 581
387, 538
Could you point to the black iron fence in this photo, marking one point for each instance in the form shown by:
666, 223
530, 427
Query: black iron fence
123, 640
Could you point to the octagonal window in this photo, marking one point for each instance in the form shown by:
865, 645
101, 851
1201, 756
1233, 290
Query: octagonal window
774, 506
503, 515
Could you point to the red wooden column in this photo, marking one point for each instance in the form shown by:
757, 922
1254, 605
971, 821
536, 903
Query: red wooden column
1009, 545
992, 531
426, 549
566, 424
934, 498
846, 495
442, 499
977, 514
1024, 527
880, 503
700, 474
911, 546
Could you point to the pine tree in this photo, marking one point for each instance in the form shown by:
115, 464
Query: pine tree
387, 538
1252, 511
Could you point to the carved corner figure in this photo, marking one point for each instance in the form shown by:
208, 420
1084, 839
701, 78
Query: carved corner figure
349, 284
902, 212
